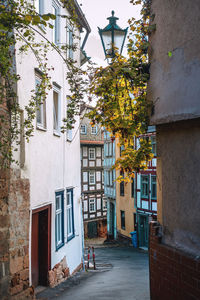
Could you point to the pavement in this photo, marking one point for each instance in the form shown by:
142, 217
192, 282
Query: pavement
122, 273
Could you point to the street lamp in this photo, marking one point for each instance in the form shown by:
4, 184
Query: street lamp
112, 38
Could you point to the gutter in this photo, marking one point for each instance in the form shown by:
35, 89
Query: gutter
82, 22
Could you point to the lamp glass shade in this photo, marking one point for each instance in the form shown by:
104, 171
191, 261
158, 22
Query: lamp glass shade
119, 36
107, 41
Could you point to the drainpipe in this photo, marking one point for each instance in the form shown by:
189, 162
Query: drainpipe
85, 39
82, 233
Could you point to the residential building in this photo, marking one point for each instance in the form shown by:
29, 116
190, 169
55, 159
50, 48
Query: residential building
146, 193
125, 204
43, 240
110, 185
174, 89
92, 177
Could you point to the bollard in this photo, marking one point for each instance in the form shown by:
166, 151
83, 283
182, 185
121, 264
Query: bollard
88, 264
93, 256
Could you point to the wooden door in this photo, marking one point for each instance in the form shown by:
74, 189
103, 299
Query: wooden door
92, 229
41, 245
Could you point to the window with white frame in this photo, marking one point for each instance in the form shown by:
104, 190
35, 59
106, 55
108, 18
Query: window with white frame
91, 177
104, 204
56, 110
153, 187
59, 219
70, 215
56, 22
70, 41
94, 129
83, 129
41, 105
145, 186
92, 205
91, 153
102, 177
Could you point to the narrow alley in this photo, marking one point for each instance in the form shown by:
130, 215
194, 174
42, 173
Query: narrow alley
122, 273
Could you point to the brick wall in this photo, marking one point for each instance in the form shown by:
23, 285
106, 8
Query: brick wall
173, 273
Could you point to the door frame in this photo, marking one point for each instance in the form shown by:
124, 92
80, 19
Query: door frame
35, 211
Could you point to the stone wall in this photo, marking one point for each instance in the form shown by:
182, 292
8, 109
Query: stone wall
19, 202
14, 236
173, 273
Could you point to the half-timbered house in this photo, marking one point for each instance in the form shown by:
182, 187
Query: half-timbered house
92, 177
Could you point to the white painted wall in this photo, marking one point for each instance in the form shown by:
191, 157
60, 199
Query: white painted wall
52, 163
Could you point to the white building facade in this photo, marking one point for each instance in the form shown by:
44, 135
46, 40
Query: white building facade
51, 160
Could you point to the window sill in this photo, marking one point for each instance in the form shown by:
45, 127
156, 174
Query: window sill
60, 246
56, 133
40, 127
70, 237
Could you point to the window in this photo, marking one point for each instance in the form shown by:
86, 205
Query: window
102, 177
91, 153
70, 215
104, 204
153, 188
153, 144
83, 129
121, 149
59, 222
69, 135
41, 106
111, 178
56, 110
70, 41
56, 22
92, 177
110, 148
144, 186
94, 129
123, 219
122, 184
92, 205
132, 188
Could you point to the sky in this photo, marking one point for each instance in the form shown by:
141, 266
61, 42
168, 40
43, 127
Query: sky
97, 12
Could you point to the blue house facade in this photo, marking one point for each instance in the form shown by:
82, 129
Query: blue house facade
146, 193
110, 185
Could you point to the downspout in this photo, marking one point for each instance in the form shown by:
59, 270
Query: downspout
85, 39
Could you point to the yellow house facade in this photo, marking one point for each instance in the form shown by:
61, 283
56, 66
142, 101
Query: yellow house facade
125, 205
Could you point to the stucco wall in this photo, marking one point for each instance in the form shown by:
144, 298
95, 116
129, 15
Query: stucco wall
124, 203
174, 83
179, 172
52, 163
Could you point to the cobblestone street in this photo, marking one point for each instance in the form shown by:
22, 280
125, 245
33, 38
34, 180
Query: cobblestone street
122, 273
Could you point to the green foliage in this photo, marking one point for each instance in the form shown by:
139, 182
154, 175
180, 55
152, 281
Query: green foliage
120, 89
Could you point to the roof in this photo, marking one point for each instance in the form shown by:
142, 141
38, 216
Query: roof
81, 16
